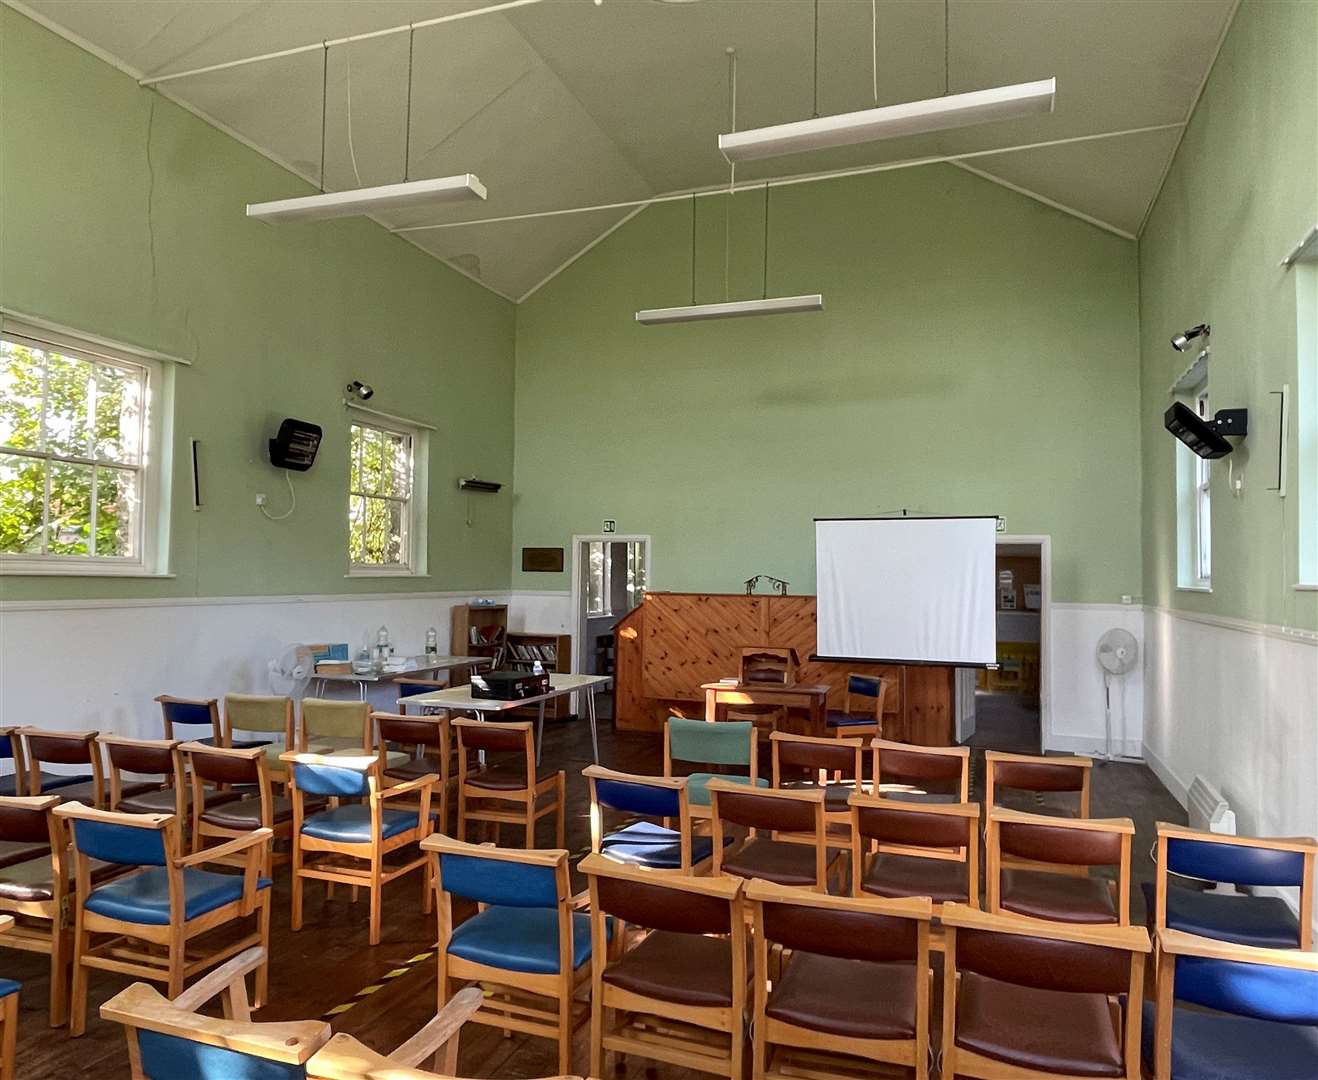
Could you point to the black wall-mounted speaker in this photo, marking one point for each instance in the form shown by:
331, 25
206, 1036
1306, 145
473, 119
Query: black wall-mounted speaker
295, 446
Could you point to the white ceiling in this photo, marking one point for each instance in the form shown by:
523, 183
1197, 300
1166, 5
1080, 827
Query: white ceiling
568, 104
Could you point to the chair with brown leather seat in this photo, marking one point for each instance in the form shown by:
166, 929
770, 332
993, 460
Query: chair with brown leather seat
1050, 876
915, 849
427, 744
220, 768
1026, 999
921, 773
787, 862
854, 983
1040, 777
509, 775
19, 781
679, 994
803, 762
153, 757
71, 748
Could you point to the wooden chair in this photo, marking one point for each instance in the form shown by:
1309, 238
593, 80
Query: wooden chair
819, 759
856, 983
151, 916
526, 946
514, 778
799, 814
902, 849
727, 744
1254, 1013
191, 713
268, 714
363, 832
408, 688
70, 748
1040, 776
678, 995
36, 889
17, 782
1049, 874
1261, 921
327, 727
645, 842
1024, 998
862, 717
8, 1015
158, 757
428, 751
926, 774
216, 771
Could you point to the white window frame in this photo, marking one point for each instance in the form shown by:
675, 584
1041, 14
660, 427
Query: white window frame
1307, 426
415, 515
152, 539
1194, 517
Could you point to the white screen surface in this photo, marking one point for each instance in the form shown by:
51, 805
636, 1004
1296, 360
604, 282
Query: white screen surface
912, 589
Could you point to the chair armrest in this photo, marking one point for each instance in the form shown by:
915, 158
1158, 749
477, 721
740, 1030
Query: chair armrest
217, 981
229, 847
444, 1026
1179, 943
409, 787
580, 902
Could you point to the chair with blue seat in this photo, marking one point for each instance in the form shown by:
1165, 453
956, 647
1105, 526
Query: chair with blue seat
409, 688
862, 708
1263, 921
526, 945
646, 841
18, 782
271, 715
725, 743
350, 842
150, 917
8, 1015
1253, 1012
182, 717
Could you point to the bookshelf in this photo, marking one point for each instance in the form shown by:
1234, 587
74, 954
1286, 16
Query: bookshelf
477, 630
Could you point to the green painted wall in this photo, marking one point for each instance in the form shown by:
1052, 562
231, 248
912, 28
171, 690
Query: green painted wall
122, 215
1242, 191
978, 354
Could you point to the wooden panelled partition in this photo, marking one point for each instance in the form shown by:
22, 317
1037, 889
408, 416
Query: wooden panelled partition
674, 642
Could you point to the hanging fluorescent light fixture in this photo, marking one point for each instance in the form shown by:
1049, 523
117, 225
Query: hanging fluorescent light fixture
891, 121
331, 204
773, 305
360, 201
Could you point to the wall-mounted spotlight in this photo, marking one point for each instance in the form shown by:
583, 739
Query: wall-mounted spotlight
471, 483
360, 390
1180, 341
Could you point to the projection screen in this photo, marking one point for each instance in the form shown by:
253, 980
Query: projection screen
910, 590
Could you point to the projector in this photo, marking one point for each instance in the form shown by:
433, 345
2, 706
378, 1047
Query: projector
509, 685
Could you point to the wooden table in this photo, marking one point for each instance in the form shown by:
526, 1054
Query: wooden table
460, 699
414, 665
813, 698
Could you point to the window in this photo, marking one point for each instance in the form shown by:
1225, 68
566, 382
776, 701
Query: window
1194, 519
78, 472
386, 525
615, 576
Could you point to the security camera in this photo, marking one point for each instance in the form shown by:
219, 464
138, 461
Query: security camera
361, 390
1180, 341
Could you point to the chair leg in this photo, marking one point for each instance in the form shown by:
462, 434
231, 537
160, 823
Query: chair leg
78, 1004
8, 1037
376, 888
427, 890
176, 959
565, 1031
596, 1034
263, 972
462, 817
59, 974
561, 835
759, 1053
530, 824
295, 919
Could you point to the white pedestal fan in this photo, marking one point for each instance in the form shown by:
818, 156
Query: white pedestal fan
1118, 652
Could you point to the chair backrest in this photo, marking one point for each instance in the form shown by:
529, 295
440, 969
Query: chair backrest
431, 732
730, 742
849, 928
341, 720
815, 756
334, 777
1058, 840
792, 810
11, 749
123, 839
871, 689
62, 748
1026, 772
224, 765
171, 1040
190, 713
929, 768
258, 712
27, 819
629, 793
516, 737
504, 877
152, 757
945, 831
408, 688
676, 903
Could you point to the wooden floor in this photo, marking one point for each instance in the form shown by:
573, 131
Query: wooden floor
328, 962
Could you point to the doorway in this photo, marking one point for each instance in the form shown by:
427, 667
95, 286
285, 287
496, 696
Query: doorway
609, 576
1009, 702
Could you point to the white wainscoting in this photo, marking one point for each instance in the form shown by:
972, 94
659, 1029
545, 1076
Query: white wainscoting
1073, 717
1236, 703
98, 664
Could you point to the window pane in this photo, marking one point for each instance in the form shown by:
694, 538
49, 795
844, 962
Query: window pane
22, 493
595, 579
68, 384
20, 396
375, 531
398, 467
354, 460
117, 509
70, 509
372, 460
118, 415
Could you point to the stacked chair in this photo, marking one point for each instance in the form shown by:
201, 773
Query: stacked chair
650, 840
